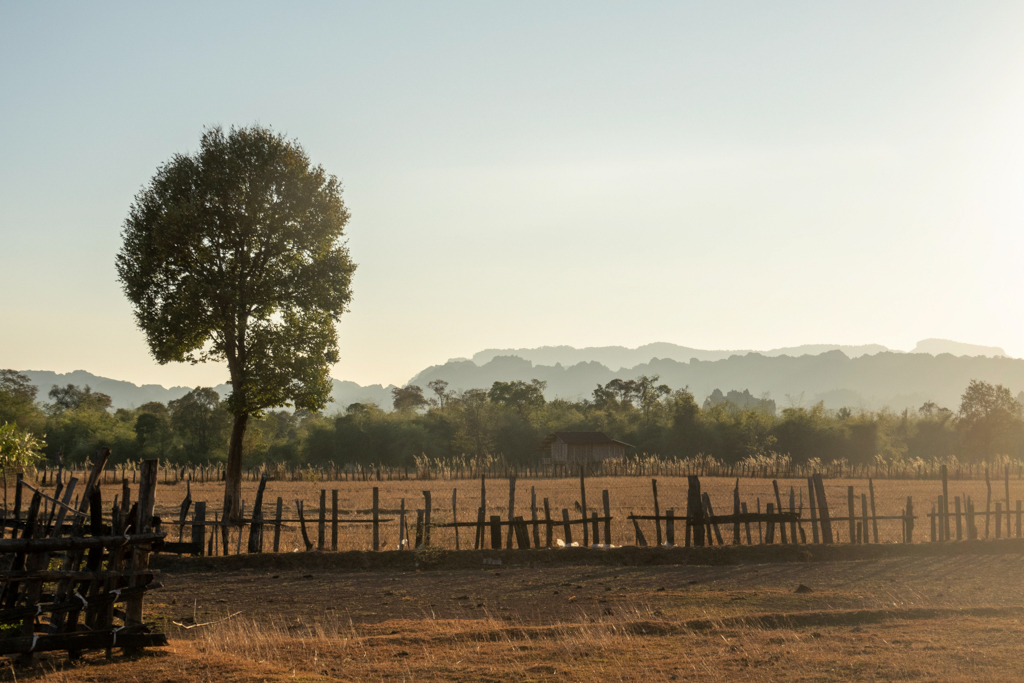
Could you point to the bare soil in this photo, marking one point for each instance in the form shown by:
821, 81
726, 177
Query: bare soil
916, 617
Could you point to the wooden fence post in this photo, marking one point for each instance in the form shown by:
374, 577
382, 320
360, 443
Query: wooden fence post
277, 524
334, 519
695, 511
455, 516
143, 525
302, 525
549, 526
511, 510
778, 508
657, 515
479, 544
426, 519
944, 473
743, 508
496, 532
792, 511
376, 518
959, 524
736, 513
533, 516
199, 526
813, 510
607, 518
256, 528
403, 530
824, 519
852, 514
583, 503
988, 501
566, 527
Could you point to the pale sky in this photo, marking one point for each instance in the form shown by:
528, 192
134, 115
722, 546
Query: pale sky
718, 174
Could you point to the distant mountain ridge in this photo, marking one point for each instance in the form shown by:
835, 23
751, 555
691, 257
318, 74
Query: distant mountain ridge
868, 376
887, 379
616, 357
127, 395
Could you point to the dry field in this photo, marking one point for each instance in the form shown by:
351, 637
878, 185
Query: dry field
923, 619
627, 494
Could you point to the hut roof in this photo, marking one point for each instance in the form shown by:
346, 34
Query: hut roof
579, 438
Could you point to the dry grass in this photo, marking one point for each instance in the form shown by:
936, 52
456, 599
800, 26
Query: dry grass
943, 619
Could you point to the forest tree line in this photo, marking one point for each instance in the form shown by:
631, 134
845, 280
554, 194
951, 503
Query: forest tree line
510, 419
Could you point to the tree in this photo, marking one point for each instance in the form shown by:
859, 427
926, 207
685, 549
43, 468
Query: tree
199, 418
153, 428
235, 254
408, 398
519, 395
18, 400
990, 420
75, 398
440, 389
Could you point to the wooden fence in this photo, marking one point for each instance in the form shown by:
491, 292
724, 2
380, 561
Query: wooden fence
783, 520
93, 598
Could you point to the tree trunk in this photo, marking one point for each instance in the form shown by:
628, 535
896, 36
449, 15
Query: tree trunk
233, 474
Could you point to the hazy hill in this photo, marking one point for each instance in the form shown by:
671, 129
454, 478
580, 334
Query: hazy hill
128, 395
867, 376
616, 357
897, 380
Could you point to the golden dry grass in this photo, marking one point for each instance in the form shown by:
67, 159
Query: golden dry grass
951, 619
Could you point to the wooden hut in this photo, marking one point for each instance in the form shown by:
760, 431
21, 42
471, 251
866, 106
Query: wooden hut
573, 448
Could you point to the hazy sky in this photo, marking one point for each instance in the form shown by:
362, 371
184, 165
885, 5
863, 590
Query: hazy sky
719, 175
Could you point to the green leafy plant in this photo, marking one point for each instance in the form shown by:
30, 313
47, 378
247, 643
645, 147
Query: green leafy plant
18, 448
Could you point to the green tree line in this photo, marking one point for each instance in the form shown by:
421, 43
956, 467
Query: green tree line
511, 419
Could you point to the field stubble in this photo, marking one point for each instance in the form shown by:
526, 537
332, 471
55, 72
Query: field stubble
948, 619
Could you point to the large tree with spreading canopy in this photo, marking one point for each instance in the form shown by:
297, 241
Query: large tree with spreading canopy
235, 254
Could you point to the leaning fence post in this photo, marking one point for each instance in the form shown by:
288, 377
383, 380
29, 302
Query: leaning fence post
302, 525
256, 528
824, 519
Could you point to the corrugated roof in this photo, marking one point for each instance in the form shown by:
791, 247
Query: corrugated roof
582, 437
579, 438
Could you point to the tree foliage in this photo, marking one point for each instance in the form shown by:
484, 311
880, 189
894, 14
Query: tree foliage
510, 420
235, 254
